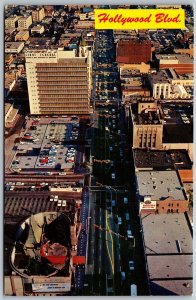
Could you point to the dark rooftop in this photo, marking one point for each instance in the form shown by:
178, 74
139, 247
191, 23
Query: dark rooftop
162, 160
147, 116
181, 133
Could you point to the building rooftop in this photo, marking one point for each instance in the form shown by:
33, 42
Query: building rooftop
147, 116
37, 27
161, 233
171, 287
159, 77
161, 160
160, 185
7, 107
180, 58
13, 45
177, 133
21, 33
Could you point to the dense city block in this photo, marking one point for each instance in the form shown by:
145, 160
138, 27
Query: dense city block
98, 192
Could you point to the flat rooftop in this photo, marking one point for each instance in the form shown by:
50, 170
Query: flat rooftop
48, 145
181, 58
161, 160
146, 117
159, 77
160, 185
171, 287
178, 133
7, 107
161, 232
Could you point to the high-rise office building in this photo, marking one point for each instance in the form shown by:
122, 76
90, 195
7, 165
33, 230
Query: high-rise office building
58, 81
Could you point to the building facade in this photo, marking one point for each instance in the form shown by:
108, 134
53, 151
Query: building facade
160, 192
11, 22
133, 51
147, 125
22, 36
24, 22
37, 29
14, 47
38, 14
58, 82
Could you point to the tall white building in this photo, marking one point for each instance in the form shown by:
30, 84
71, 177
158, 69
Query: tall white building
58, 81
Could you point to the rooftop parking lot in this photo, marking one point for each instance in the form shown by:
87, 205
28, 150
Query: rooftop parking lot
46, 146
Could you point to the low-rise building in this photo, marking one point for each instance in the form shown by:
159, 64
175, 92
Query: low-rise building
10, 114
37, 29
168, 250
11, 22
85, 25
8, 59
133, 83
133, 51
145, 160
14, 47
167, 84
24, 22
181, 63
160, 192
22, 36
147, 127
49, 10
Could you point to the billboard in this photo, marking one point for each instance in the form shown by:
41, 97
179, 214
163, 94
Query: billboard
148, 205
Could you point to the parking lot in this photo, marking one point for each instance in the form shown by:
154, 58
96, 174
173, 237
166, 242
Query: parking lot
46, 146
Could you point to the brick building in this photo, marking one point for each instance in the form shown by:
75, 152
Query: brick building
133, 51
160, 192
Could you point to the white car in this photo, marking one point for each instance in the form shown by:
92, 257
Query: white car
131, 265
113, 176
129, 234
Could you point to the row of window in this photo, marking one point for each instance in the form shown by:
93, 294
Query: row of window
63, 68
170, 204
64, 97
169, 210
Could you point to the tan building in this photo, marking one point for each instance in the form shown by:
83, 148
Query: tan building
85, 25
11, 22
161, 192
14, 47
37, 29
142, 68
147, 125
38, 14
24, 22
9, 59
22, 36
58, 82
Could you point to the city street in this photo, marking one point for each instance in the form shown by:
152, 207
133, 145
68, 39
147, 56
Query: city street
112, 182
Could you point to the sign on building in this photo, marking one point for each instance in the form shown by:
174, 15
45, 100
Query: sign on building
51, 287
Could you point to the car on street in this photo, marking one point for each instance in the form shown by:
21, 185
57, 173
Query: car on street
131, 265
